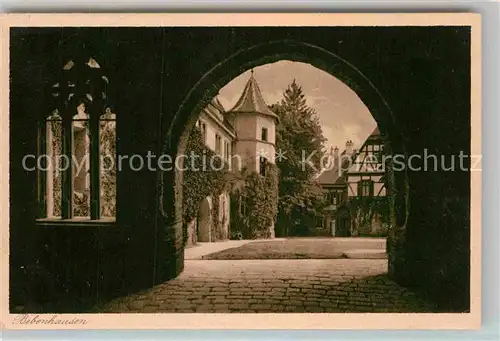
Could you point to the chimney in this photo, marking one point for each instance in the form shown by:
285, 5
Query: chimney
348, 147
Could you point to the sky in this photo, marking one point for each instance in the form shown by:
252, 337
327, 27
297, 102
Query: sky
342, 114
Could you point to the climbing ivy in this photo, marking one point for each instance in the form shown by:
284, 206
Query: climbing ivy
206, 174
260, 193
260, 196
239, 225
364, 209
218, 232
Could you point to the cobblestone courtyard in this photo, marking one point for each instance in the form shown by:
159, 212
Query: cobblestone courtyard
312, 285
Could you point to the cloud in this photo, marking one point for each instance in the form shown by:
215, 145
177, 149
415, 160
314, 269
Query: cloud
315, 101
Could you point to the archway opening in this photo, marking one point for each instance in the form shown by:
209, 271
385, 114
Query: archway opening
204, 94
215, 79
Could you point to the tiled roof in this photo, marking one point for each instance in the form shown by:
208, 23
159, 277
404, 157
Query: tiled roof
334, 176
251, 100
219, 113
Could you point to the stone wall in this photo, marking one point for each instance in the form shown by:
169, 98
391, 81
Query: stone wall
421, 72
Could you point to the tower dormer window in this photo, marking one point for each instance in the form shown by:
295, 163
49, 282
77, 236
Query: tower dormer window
263, 134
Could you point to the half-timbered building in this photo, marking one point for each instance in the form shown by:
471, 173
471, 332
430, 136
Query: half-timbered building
355, 190
366, 188
336, 221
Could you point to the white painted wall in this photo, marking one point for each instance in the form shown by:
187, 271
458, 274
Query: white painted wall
269, 123
249, 145
245, 126
247, 149
223, 215
352, 181
267, 150
213, 128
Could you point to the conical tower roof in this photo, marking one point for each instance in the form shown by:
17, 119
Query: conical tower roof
251, 100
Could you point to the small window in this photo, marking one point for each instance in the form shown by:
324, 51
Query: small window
365, 188
243, 206
226, 150
218, 142
264, 134
203, 128
263, 166
331, 197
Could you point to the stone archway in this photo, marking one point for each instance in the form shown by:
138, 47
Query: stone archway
204, 221
214, 79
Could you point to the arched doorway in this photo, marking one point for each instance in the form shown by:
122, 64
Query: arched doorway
204, 221
214, 79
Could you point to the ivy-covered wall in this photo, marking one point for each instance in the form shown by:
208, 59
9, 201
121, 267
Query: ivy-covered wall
219, 217
258, 195
206, 174
370, 216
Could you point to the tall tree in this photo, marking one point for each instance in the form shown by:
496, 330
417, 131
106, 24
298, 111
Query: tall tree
299, 139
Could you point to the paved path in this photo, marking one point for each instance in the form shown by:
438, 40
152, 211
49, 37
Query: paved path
201, 249
312, 285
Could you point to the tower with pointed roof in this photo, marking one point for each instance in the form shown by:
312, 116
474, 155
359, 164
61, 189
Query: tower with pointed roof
255, 127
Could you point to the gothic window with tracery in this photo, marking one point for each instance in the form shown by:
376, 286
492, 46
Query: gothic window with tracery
77, 143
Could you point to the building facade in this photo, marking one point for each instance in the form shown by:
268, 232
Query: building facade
355, 190
94, 259
244, 137
255, 128
218, 136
